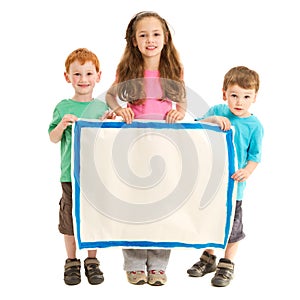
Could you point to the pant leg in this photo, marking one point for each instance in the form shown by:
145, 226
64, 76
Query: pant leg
134, 259
158, 259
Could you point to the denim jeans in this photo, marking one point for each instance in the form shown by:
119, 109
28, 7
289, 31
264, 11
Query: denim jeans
151, 259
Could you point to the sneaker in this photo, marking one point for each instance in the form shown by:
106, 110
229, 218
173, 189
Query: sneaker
206, 264
136, 277
157, 277
224, 273
92, 271
72, 271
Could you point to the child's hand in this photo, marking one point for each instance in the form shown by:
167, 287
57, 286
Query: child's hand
174, 115
108, 115
223, 122
241, 175
68, 120
126, 113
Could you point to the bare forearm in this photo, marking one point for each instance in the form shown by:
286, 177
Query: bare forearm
181, 107
243, 174
251, 166
112, 102
223, 122
211, 119
56, 134
111, 99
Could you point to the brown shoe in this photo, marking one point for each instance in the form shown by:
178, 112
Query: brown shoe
205, 265
72, 271
224, 273
92, 271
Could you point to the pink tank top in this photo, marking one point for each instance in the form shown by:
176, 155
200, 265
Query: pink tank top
152, 108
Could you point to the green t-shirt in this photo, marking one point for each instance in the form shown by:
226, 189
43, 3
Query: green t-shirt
85, 110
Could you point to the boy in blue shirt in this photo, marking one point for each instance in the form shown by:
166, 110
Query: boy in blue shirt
240, 89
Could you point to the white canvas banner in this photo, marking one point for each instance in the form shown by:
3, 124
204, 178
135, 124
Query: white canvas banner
152, 184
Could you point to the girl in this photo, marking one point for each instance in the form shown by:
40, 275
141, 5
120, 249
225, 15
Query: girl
149, 78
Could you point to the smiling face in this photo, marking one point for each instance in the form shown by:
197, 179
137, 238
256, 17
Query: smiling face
239, 100
149, 37
83, 78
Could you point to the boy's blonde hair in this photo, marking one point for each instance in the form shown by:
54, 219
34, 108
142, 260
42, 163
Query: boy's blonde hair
243, 77
82, 55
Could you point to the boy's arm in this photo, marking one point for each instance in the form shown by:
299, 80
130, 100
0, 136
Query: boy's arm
243, 174
223, 122
57, 132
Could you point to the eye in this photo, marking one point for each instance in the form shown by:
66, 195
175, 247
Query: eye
157, 34
90, 73
76, 74
233, 95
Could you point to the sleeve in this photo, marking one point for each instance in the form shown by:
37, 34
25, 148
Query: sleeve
255, 146
55, 120
209, 113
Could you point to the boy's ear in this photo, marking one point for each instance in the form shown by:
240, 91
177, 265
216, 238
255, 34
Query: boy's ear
98, 76
224, 95
254, 99
67, 77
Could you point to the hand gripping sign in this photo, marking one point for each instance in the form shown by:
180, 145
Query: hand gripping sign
152, 184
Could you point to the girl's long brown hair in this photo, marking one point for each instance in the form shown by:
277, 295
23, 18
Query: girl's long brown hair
130, 70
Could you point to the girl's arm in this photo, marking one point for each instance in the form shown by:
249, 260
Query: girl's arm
181, 107
126, 113
111, 99
176, 114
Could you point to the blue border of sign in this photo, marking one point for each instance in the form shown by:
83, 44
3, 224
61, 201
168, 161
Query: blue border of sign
158, 125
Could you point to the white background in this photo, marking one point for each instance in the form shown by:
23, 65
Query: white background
211, 36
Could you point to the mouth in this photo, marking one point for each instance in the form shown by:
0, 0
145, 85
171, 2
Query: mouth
150, 47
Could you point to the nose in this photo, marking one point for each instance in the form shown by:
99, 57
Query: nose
149, 39
238, 101
83, 78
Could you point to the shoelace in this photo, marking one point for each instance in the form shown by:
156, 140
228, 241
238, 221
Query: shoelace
157, 272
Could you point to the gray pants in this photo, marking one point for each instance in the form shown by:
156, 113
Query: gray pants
138, 259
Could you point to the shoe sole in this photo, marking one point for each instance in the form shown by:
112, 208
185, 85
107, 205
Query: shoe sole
96, 282
220, 284
194, 273
141, 282
156, 283
72, 282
